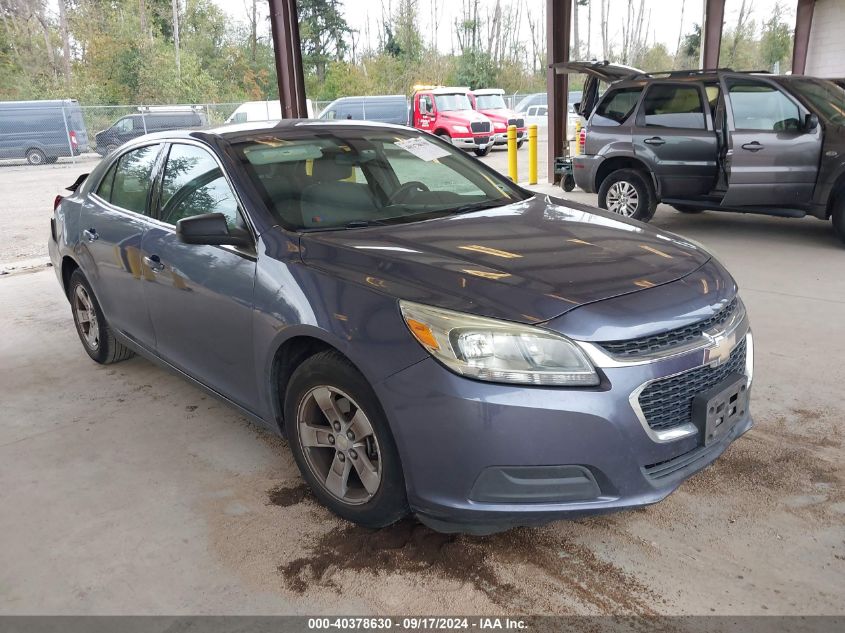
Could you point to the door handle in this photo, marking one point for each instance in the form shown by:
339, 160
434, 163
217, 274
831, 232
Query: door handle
153, 262
654, 140
753, 146
90, 234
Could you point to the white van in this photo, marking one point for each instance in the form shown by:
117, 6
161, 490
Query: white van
263, 111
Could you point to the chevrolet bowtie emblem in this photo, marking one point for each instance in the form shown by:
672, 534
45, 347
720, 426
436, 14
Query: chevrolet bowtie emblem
721, 346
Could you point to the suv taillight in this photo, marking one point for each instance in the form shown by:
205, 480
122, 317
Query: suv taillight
74, 143
582, 140
57, 201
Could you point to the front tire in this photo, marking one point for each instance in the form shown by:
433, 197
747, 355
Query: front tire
485, 151
35, 156
629, 193
342, 443
519, 144
94, 332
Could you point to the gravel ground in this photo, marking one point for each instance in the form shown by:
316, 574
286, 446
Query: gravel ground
126, 490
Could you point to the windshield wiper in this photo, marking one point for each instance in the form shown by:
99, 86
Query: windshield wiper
475, 206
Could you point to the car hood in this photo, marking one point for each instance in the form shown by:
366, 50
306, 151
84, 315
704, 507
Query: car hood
463, 116
528, 262
500, 115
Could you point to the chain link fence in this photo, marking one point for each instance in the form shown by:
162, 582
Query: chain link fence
45, 132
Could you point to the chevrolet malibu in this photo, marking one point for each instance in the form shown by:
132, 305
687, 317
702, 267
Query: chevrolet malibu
430, 337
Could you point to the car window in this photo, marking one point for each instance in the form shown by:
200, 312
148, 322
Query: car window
104, 190
193, 184
425, 103
673, 106
131, 186
353, 177
616, 106
124, 125
760, 106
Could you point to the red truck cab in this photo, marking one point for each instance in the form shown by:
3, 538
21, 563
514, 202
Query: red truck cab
448, 113
491, 103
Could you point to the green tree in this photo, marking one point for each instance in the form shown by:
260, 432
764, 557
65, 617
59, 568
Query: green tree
322, 34
776, 41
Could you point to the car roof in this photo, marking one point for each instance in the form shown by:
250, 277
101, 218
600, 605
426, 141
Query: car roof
241, 131
489, 91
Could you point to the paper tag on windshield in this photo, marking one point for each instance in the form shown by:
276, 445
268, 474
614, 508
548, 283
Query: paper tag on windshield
422, 149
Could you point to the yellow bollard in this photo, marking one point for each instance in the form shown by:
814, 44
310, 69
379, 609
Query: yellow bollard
512, 170
577, 136
532, 154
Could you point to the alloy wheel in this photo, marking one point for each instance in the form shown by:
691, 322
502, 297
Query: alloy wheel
339, 445
622, 198
86, 317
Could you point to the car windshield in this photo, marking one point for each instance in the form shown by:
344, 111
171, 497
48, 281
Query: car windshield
824, 96
351, 178
490, 102
445, 103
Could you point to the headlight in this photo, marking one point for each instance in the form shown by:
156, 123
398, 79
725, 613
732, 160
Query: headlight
460, 128
500, 126
498, 351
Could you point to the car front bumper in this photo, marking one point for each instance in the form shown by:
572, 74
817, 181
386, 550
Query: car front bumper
472, 142
481, 457
501, 138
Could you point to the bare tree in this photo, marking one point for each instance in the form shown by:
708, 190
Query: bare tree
741, 25
576, 42
589, 25
65, 40
680, 30
604, 45
175, 4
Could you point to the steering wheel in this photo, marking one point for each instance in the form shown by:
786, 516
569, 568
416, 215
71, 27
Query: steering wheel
404, 190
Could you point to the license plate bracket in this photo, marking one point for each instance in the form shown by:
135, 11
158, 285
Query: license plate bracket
718, 409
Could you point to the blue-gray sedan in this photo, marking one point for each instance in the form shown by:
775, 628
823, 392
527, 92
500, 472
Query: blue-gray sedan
430, 337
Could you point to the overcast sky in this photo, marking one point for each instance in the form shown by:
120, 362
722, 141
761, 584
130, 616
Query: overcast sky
663, 17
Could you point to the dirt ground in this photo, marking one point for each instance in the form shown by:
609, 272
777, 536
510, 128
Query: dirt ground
126, 490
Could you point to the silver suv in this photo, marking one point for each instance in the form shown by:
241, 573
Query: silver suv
744, 142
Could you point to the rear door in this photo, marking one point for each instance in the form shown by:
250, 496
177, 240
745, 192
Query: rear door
673, 133
770, 159
114, 219
200, 297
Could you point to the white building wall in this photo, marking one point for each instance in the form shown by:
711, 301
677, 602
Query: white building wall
826, 50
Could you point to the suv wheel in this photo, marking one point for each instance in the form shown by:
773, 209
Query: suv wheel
838, 216
341, 441
91, 325
485, 151
629, 193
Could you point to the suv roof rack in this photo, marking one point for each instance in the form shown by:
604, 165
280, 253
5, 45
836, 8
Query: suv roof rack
696, 71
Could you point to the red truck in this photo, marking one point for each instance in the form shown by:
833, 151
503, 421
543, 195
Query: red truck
448, 113
491, 103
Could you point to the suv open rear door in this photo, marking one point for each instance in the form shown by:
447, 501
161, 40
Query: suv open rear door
596, 72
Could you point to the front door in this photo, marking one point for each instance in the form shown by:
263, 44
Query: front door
113, 223
674, 134
771, 158
200, 297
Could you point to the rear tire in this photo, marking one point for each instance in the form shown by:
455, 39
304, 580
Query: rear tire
444, 137
35, 156
342, 443
685, 209
567, 183
629, 193
485, 151
838, 216
91, 326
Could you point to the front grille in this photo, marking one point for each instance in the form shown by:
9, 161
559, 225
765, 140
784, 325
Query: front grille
481, 140
667, 403
673, 338
480, 126
516, 122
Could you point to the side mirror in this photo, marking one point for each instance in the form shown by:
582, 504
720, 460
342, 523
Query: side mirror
811, 122
211, 228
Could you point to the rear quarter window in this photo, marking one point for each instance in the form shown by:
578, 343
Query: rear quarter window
616, 106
